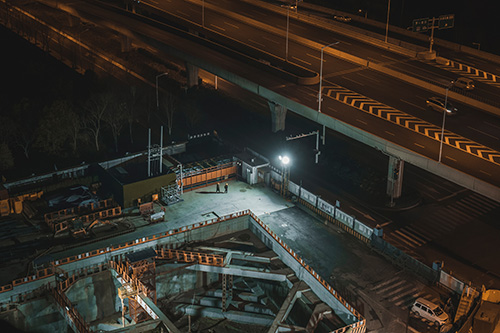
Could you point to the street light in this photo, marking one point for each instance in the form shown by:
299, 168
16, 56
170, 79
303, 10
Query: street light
157, 99
285, 174
287, 27
444, 118
321, 75
387, 23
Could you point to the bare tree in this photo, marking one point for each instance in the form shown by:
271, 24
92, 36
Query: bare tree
96, 107
6, 159
116, 118
52, 133
167, 108
130, 110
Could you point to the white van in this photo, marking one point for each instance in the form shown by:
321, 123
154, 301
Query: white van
430, 311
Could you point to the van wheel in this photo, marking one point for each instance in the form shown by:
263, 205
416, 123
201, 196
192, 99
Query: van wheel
416, 314
437, 323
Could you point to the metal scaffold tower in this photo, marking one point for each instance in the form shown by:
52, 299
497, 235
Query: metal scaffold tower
172, 193
155, 155
142, 267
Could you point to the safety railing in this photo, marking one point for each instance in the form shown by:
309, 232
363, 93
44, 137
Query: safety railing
361, 323
188, 256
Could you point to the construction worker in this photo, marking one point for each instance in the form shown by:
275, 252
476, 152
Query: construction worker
226, 187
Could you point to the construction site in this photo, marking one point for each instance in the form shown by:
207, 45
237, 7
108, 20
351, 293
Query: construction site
159, 262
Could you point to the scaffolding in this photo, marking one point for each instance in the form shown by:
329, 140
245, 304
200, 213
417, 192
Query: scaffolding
171, 194
142, 267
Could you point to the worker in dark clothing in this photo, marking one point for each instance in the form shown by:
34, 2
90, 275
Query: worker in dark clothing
225, 188
217, 188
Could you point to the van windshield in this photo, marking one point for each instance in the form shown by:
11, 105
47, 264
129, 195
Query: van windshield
438, 311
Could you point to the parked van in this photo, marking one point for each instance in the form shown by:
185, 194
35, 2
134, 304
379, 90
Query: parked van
464, 83
430, 311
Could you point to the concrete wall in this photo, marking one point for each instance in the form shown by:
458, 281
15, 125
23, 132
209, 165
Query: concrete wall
39, 315
95, 296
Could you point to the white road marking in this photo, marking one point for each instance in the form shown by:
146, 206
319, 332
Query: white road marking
182, 13
319, 58
251, 40
486, 173
392, 59
156, 2
417, 144
231, 25
348, 79
363, 122
368, 78
410, 103
216, 26
488, 123
270, 39
305, 62
451, 158
390, 133
491, 136
330, 108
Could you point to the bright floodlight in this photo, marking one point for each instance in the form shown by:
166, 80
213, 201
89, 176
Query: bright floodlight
285, 160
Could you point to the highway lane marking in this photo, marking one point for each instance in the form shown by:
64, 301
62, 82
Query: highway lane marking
305, 62
329, 107
315, 57
361, 121
488, 123
255, 42
390, 133
417, 144
410, 103
354, 81
156, 2
368, 78
450, 158
385, 112
182, 13
216, 26
271, 40
231, 25
486, 173
491, 136
390, 58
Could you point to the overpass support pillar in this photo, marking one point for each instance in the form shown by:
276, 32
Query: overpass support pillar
395, 177
73, 21
125, 43
278, 116
192, 75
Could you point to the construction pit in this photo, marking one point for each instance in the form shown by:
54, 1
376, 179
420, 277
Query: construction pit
228, 274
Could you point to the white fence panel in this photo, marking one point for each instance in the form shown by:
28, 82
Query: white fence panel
344, 218
363, 229
308, 196
451, 282
293, 188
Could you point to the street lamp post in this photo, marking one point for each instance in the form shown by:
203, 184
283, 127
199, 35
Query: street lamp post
285, 174
444, 118
157, 98
287, 27
321, 75
387, 23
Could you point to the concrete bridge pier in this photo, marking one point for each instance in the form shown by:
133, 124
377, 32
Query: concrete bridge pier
395, 177
192, 75
126, 43
278, 116
73, 21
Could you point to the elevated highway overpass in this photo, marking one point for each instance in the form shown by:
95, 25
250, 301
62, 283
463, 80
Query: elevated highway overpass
284, 93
